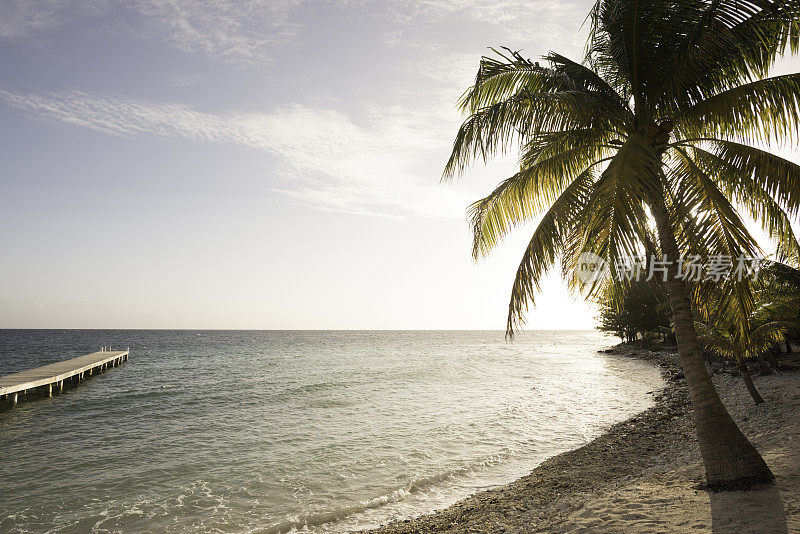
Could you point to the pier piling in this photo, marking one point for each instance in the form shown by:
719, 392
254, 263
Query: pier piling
55, 374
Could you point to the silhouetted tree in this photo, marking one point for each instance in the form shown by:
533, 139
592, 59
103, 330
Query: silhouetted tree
650, 131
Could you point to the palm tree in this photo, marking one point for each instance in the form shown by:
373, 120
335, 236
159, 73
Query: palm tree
736, 349
779, 297
741, 338
645, 145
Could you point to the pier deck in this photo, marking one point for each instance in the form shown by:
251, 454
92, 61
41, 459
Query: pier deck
54, 374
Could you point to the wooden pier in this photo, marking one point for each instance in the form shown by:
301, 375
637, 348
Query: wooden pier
51, 377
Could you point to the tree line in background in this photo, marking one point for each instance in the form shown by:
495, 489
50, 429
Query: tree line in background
638, 311
634, 310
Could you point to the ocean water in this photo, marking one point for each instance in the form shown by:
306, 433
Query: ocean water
279, 431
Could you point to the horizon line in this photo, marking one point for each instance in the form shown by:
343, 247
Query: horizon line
313, 329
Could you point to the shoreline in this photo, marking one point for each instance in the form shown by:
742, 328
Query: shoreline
642, 474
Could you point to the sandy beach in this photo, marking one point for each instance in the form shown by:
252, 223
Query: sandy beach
643, 475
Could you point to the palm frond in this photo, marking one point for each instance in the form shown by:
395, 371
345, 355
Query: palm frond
761, 111
731, 41
584, 77
548, 167
752, 185
722, 231
500, 78
514, 100
776, 176
546, 243
616, 221
495, 128
716, 215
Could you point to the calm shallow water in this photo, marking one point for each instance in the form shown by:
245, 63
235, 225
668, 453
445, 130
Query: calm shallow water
268, 431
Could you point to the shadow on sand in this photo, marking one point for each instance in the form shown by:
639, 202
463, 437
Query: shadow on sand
758, 510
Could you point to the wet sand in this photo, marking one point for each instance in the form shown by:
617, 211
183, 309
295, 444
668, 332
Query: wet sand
643, 474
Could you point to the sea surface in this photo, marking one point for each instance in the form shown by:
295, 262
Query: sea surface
277, 431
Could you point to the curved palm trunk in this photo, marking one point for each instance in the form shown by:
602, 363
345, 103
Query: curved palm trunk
730, 459
748, 382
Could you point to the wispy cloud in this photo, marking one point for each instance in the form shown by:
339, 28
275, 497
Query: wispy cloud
386, 163
234, 31
333, 162
184, 79
254, 31
499, 11
22, 18
515, 21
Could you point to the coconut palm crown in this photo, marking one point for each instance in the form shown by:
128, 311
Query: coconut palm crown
651, 143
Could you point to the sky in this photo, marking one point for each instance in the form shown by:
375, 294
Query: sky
255, 164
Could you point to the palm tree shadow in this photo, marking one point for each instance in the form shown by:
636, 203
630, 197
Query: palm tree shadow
758, 510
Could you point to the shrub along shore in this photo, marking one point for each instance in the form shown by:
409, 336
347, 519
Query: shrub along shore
645, 474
